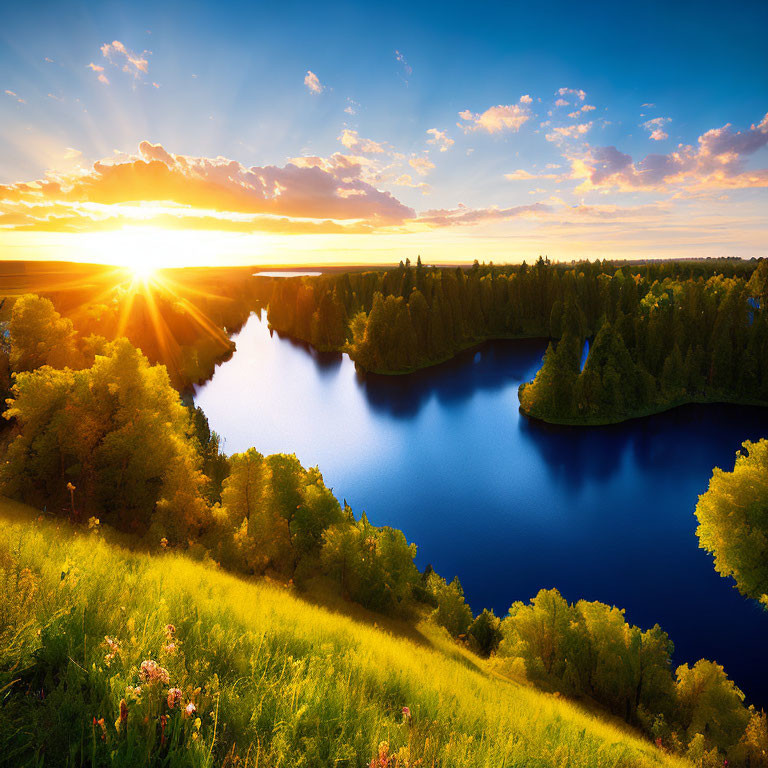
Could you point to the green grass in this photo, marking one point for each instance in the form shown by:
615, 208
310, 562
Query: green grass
282, 682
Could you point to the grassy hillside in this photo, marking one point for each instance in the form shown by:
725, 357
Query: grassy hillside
272, 679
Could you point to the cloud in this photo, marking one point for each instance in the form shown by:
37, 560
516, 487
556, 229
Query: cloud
102, 78
206, 188
15, 95
656, 128
406, 180
352, 141
312, 82
352, 107
571, 93
568, 132
521, 175
116, 53
463, 215
717, 161
422, 165
70, 153
496, 119
578, 113
562, 103
407, 68
439, 139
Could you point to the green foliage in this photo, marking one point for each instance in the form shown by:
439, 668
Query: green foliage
588, 649
118, 432
733, 520
485, 633
452, 611
710, 705
373, 566
39, 336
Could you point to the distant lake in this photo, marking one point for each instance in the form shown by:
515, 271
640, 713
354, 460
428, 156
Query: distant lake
287, 273
507, 504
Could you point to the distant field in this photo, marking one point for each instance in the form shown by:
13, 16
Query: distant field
283, 682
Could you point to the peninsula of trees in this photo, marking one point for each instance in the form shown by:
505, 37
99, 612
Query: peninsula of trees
661, 334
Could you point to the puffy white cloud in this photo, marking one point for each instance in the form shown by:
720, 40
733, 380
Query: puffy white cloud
572, 93
136, 64
352, 141
312, 81
439, 139
655, 127
568, 132
503, 117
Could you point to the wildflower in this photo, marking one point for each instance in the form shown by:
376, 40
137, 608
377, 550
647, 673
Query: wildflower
170, 636
93, 523
406, 713
198, 722
114, 648
164, 543
174, 698
190, 710
133, 693
100, 722
151, 672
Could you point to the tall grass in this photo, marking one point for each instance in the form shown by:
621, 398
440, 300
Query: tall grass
275, 680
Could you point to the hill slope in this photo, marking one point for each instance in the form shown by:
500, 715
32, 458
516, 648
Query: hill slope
265, 678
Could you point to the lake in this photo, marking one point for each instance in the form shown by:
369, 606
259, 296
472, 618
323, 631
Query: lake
508, 504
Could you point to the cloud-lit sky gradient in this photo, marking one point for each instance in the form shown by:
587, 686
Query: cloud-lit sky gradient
296, 132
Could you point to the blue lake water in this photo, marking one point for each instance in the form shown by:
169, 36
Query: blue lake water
507, 504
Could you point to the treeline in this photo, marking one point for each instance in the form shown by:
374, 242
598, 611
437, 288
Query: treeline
661, 333
589, 649
112, 443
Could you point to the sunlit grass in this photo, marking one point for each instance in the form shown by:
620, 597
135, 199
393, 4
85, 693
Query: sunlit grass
285, 682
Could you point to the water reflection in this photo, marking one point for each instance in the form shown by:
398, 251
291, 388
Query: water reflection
493, 366
508, 504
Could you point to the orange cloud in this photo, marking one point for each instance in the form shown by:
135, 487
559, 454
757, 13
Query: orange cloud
499, 118
439, 139
133, 63
206, 188
568, 132
463, 215
351, 140
312, 81
422, 165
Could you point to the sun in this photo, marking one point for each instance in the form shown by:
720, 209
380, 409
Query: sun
142, 270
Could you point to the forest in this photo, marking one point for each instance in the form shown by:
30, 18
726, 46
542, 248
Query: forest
659, 334
98, 436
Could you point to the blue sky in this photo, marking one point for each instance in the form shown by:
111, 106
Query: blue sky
361, 85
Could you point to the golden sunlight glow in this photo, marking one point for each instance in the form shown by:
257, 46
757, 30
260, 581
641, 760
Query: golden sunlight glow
143, 249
